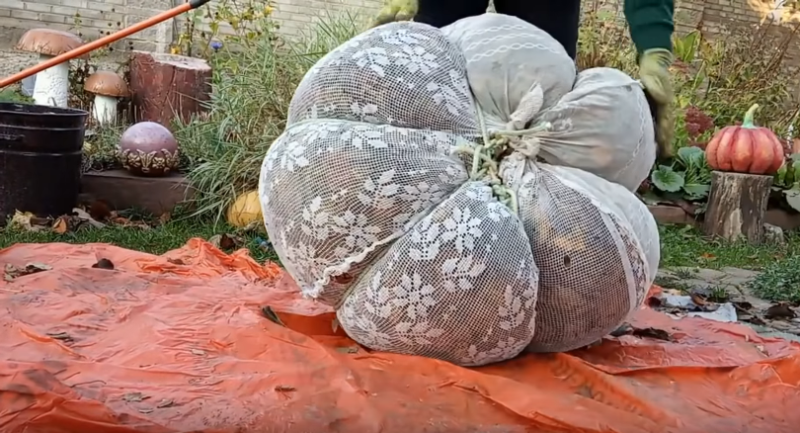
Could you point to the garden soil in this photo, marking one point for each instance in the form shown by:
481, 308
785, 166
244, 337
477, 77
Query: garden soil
181, 343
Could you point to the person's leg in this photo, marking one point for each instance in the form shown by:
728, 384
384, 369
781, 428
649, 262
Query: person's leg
559, 18
440, 13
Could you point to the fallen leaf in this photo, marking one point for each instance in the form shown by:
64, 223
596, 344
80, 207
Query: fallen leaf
227, 242
146, 410
215, 240
104, 264
654, 302
60, 225
129, 223
779, 311
134, 397
99, 210
698, 298
271, 315
755, 320
178, 262
624, 329
656, 334
12, 272
40, 222
84, 216
708, 256
347, 349
24, 221
284, 388
335, 324
61, 336
198, 352
165, 403
164, 218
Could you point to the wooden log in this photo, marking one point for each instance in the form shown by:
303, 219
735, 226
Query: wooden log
736, 206
166, 86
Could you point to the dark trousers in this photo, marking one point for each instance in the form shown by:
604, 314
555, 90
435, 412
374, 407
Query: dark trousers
559, 18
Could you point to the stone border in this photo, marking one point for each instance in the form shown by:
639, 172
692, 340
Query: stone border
121, 190
675, 215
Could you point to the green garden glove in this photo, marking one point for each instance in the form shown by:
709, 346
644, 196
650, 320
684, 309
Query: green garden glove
654, 72
396, 10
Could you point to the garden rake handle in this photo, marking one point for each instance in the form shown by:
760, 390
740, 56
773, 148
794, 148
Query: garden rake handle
105, 40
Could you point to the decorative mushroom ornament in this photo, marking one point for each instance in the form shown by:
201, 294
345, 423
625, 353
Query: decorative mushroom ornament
107, 87
52, 85
148, 149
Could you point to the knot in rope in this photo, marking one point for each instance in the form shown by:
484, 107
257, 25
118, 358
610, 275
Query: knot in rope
496, 145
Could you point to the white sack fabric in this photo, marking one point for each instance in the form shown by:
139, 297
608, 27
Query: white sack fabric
375, 207
600, 120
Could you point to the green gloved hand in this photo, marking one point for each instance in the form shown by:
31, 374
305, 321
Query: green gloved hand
654, 72
396, 10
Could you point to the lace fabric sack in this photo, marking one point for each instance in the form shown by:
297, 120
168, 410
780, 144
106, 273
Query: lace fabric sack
374, 206
599, 120
596, 246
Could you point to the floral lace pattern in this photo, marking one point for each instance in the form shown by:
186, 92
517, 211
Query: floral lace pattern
374, 209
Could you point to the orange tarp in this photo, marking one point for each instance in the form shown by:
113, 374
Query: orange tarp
178, 343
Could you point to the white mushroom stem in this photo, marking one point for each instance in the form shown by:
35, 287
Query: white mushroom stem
105, 109
52, 85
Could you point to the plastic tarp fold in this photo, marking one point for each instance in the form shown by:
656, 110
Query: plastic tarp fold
180, 343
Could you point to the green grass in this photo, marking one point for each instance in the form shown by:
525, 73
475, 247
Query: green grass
157, 240
680, 246
683, 246
779, 281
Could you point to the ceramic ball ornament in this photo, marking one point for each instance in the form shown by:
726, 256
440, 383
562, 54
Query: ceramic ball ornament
149, 149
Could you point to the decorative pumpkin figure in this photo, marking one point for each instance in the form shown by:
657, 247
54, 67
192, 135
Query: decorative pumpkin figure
746, 149
246, 210
148, 149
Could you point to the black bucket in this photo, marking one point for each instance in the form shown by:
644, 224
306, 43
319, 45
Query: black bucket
40, 159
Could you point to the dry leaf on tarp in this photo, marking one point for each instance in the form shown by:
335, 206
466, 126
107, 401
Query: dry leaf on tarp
12, 272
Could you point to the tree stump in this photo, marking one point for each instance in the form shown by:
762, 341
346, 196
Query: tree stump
166, 86
736, 206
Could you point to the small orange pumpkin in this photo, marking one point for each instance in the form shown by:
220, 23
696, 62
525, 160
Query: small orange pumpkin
745, 149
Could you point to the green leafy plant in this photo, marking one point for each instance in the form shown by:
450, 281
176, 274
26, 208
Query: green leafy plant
715, 81
688, 177
685, 47
787, 182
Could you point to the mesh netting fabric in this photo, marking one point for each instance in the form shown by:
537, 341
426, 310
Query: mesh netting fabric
375, 207
585, 237
459, 286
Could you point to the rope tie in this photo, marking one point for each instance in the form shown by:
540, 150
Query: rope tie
486, 157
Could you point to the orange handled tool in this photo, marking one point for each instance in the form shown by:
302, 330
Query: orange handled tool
105, 40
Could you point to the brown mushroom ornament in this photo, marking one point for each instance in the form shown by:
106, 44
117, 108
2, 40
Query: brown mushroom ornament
107, 87
148, 149
52, 84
